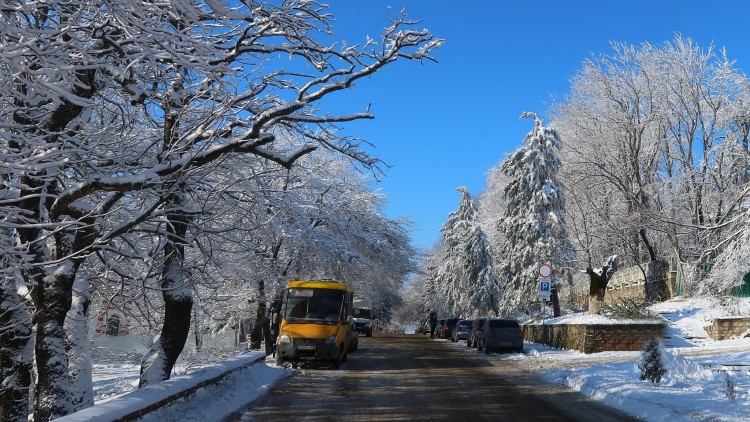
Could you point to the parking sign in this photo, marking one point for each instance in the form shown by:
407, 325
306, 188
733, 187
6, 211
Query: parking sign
544, 289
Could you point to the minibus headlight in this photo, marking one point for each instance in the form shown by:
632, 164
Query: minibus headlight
331, 340
284, 339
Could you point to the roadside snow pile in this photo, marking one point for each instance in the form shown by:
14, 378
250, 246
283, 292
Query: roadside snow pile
213, 393
705, 379
688, 318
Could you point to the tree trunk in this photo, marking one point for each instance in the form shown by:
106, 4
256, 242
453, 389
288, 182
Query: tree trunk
257, 335
15, 353
197, 328
597, 288
649, 245
595, 304
52, 296
79, 347
555, 298
158, 362
261, 329
52, 299
656, 289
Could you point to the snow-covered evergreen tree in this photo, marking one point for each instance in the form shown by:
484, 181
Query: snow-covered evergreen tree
492, 205
652, 363
533, 229
431, 276
466, 276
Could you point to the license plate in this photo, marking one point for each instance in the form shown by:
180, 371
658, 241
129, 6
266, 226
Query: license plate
306, 347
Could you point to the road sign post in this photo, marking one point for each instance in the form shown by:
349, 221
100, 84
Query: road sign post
544, 271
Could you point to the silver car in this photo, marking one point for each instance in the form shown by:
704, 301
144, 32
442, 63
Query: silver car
461, 330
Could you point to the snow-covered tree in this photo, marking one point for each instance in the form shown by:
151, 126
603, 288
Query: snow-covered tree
652, 363
465, 277
533, 229
430, 278
655, 151
492, 205
731, 264
112, 114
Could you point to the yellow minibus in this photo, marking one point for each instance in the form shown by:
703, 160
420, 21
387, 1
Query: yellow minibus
316, 321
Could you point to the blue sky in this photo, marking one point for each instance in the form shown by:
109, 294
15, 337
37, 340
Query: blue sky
444, 125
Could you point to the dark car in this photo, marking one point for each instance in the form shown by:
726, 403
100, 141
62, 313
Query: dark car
461, 330
474, 332
447, 329
501, 334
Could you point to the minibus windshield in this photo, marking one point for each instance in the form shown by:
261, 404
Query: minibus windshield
314, 305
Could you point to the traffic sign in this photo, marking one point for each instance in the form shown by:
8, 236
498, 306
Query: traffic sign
544, 270
544, 289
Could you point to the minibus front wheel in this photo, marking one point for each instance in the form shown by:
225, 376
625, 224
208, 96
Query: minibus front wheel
340, 358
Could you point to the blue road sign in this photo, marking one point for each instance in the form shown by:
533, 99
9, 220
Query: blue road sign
544, 286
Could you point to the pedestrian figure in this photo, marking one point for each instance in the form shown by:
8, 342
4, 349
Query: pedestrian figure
433, 323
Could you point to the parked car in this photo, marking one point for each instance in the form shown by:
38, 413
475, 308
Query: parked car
354, 342
447, 329
476, 329
461, 330
501, 334
424, 328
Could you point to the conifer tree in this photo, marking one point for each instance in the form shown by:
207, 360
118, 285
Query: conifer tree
466, 276
651, 364
533, 229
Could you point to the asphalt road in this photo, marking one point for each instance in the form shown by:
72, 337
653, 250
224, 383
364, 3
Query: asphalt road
412, 378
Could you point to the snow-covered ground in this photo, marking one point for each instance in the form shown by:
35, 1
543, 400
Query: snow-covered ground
695, 388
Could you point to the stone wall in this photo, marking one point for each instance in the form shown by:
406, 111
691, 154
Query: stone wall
629, 283
593, 338
725, 328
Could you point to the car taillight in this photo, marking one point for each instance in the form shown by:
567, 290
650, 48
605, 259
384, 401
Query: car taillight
490, 333
520, 333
